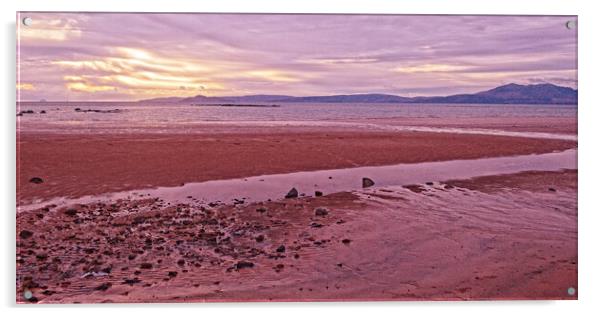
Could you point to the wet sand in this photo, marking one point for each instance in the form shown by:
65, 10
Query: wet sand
436, 241
77, 165
510, 236
557, 125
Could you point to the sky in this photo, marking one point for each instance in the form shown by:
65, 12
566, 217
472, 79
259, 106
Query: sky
128, 56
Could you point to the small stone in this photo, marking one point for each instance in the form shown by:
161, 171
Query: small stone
181, 262
131, 281
293, 193
281, 248
71, 212
346, 241
244, 264
25, 234
36, 180
321, 211
367, 182
259, 238
318, 193
429, 183
103, 287
172, 274
146, 265
551, 189
261, 209
132, 257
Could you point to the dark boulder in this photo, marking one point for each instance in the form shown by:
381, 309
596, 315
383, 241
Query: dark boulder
293, 193
367, 182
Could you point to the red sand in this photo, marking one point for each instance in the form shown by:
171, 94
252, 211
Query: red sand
77, 165
498, 237
444, 242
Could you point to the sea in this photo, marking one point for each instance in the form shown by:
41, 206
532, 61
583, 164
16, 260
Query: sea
130, 116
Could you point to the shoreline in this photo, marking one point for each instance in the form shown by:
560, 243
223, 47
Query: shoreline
75, 165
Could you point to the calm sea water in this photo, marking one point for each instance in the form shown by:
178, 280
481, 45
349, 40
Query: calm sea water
60, 115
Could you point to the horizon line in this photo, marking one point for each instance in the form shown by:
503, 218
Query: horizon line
297, 96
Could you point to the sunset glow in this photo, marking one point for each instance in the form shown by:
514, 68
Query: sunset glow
134, 56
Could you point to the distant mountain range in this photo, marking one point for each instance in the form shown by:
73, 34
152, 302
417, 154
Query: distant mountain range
545, 93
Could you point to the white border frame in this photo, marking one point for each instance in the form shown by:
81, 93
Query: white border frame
590, 109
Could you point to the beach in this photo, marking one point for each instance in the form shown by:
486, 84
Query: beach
501, 236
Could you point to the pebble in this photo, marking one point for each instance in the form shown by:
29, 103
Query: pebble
36, 180
25, 234
244, 264
321, 211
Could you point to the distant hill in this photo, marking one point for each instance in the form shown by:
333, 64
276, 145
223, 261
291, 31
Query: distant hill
507, 94
512, 94
350, 98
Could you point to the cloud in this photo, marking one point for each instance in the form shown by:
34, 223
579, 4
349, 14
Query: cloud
132, 56
50, 29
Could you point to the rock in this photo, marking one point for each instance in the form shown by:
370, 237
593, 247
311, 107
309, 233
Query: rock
131, 281
429, 183
146, 265
321, 211
261, 209
244, 264
181, 262
346, 241
318, 193
36, 180
259, 238
172, 274
293, 193
316, 225
281, 249
131, 256
25, 234
367, 182
551, 189
103, 287
42, 112
71, 212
